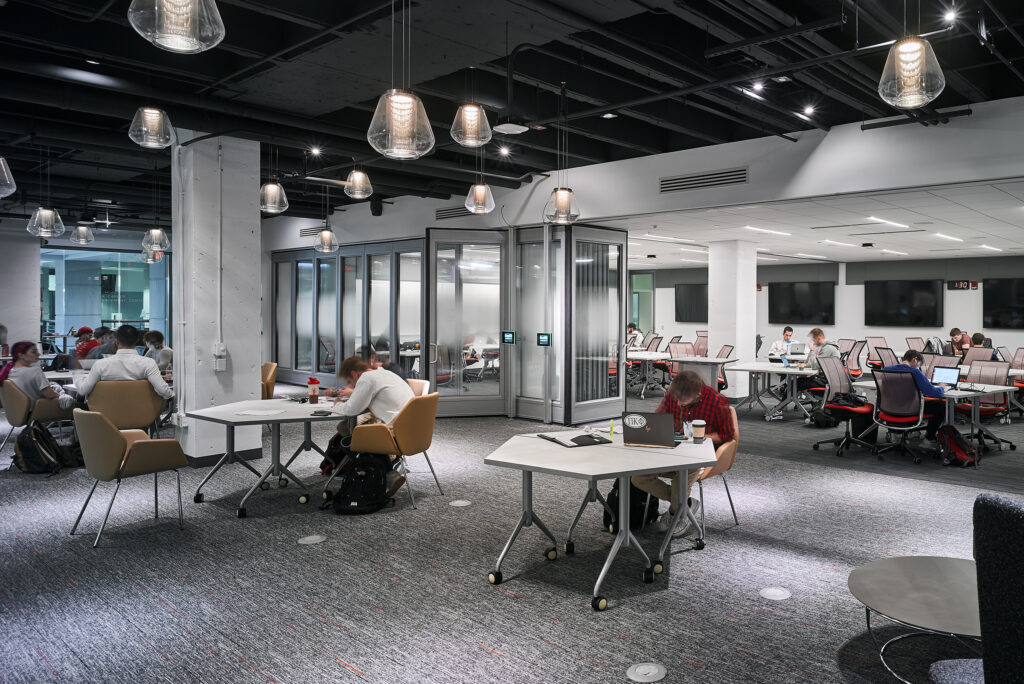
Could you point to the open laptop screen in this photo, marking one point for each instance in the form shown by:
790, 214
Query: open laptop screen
945, 376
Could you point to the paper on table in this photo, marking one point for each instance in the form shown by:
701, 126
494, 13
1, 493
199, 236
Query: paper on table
259, 412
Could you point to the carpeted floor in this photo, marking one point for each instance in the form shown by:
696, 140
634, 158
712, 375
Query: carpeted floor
402, 596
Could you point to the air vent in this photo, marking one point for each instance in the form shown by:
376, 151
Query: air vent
697, 181
450, 213
309, 232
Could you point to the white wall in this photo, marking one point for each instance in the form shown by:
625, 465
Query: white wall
19, 286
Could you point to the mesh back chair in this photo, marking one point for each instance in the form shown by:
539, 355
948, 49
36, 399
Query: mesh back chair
631, 339
886, 356
700, 345
976, 354
853, 359
1004, 354
653, 343
845, 346
758, 341
899, 408
21, 411
945, 361
675, 339
873, 344
723, 353
916, 343
726, 456
928, 363
677, 350
837, 380
995, 405
1017, 362
268, 378
647, 339
987, 342
947, 348
327, 354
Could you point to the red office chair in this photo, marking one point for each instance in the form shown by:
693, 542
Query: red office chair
873, 344
723, 353
837, 380
900, 408
994, 405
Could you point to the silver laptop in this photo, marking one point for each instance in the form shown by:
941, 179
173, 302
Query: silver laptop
798, 348
648, 430
946, 376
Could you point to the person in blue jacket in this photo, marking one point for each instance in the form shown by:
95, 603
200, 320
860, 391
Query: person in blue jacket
912, 361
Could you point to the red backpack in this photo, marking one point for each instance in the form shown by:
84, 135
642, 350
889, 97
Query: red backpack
955, 449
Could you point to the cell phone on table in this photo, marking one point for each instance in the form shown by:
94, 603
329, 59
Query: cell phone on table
320, 412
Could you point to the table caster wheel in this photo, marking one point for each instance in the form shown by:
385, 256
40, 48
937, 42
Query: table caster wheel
198, 498
611, 528
599, 603
304, 498
807, 421
326, 495
241, 512
569, 547
648, 575
283, 482
1013, 447
767, 419
551, 554
814, 446
917, 460
698, 544
658, 568
494, 577
264, 486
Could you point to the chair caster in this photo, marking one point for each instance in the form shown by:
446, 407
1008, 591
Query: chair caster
569, 548
599, 603
264, 486
917, 460
282, 482
658, 568
198, 498
326, 495
648, 575
241, 512
494, 577
815, 447
551, 554
807, 421
698, 544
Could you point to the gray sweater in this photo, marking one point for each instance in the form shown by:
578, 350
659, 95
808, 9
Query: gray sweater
829, 349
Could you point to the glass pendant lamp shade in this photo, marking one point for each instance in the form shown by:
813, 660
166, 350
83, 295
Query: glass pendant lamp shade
912, 76
479, 200
357, 185
471, 128
561, 207
273, 199
45, 223
326, 241
7, 184
400, 129
156, 239
82, 234
186, 26
152, 256
151, 128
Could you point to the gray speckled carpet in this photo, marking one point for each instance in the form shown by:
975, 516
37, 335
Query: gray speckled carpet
402, 596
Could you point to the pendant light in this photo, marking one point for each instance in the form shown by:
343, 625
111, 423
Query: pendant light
82, 234
7, 184
561, 208
326, 241
912, 76
45, 221
357, 185
184, 26
471, 128
156, 240
152, 256
151, 128
400, 128
273, 199
480, 200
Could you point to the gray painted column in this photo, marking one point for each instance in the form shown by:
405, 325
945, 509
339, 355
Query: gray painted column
19, 280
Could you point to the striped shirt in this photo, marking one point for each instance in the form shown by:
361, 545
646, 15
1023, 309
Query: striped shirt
712, 407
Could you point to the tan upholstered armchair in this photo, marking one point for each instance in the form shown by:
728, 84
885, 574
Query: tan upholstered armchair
128, 404
112, 454
20, 410
726, 455
420, 388
268, 378
411, 432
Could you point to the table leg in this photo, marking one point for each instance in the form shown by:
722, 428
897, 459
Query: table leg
643, 377
275, 469
307, 443
624, 536
229, 457
591, 496
527, 519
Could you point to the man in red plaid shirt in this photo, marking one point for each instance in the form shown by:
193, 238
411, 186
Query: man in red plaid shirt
688, 399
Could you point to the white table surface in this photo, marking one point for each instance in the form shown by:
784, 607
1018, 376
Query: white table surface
293, 412
410, 352
767, 367
648, 356
952, 393
710, 360
601, 461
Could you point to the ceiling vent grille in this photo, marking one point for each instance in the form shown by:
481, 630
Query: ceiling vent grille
450, 213
698, 181
309, 232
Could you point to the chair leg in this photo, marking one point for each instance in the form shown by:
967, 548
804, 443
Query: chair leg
156, 498
81, 512
431, 466
730, 499
408, 484
7, 438
181, 520
700, 486
106, 515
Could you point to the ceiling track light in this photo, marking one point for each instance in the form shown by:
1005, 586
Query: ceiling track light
810, 256
183, 26
151, 128
947, 237
766, 230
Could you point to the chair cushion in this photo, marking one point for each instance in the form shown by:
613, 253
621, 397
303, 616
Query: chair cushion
890, 418
989, 410
836, 408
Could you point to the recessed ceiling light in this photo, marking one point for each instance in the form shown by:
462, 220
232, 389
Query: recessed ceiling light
950, 16
763, 249
503, 151
698, 251
891, 223
839, 244
947, 237
811, 256
694, 261
765, 230
635, 244
510, 128
994, 249
758, 86
808, 110
92, 61
659, 238
893, 251
609, 115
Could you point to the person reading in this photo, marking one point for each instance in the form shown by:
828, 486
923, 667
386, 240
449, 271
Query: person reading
912, 361
960, 341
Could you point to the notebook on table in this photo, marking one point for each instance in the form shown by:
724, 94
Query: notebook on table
575, 438
648, 430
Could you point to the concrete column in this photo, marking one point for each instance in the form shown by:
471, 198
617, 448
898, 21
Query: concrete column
732, 304
19, 278
216, 281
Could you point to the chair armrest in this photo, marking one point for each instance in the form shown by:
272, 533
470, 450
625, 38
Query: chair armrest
48, 410
152, 456
374, 438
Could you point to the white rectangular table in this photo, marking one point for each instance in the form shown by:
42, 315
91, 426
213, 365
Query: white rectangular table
646, 359
290, 412
705, 367
761, 371
531, 454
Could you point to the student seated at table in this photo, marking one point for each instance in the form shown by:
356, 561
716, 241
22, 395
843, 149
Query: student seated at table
107, 343
157, 350
912, 361
820, 348
960, 341
85, 342
25, 372
373, 395
978, 340
688, 399
126, 364
780, 347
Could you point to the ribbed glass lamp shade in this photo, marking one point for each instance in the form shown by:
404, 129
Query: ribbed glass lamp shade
156, 239
152, 256
45, 223
82, 234
479, 200
400, 129
186, 26
7, 184
357, 185
471, 128
326, 241
561, 207
151, 128
273, 200
912, 76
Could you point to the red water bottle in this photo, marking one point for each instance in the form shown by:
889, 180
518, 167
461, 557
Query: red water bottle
314, 390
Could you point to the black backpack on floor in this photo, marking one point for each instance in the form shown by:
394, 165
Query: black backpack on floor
637, 501
36, 451
954, 448
363, 486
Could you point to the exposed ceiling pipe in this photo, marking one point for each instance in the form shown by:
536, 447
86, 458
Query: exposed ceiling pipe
42, 4
990, 46
798, 29
1002, 19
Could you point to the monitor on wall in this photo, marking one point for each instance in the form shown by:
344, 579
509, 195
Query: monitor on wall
906, 303
802, 303
692, 303
1003, 303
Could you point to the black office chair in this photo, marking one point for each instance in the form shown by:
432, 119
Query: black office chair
758, 341
900, 409
838, 381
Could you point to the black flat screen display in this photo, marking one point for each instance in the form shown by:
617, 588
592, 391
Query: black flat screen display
906, 303
691, 303
804, 303
1003, 303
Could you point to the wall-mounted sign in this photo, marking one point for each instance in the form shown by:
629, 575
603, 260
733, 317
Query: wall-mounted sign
960, 285
508, 336
543, 339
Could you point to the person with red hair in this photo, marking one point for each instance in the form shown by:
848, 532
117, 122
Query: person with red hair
24, 371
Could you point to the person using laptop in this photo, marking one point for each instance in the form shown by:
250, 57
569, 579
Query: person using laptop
912, 361
780, 347
820, 348
688, 399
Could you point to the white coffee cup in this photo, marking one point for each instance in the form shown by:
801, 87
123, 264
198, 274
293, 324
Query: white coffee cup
699, 427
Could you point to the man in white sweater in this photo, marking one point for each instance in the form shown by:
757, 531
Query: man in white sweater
126, 364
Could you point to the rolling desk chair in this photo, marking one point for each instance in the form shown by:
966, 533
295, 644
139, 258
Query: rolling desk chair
886, 356
873, 343
723, 353
900, 408
852, 360
1004, 354
837, 380
845, 345
700, 345
916, 343
976, 354
990, 405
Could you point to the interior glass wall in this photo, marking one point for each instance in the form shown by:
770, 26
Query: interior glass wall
327, 315
304, 316
283, 313
379, 306
410, 309
531, 319
351, 304
597, 300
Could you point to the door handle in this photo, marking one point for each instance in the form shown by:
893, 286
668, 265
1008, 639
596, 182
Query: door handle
433, 357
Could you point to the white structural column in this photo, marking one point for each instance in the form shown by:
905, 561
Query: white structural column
216, 285
19, 280
732, 304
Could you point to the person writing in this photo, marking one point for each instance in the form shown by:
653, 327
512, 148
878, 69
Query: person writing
25, 372
687, 399
912, 361
126, 364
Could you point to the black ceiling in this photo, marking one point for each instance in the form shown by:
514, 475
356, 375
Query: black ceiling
307, 72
